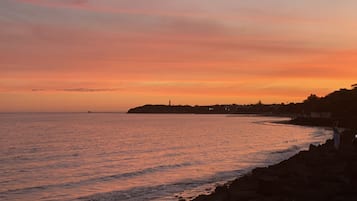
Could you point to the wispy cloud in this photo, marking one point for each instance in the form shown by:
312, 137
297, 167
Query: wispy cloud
37, 90
79, 90
58, 3
102, 7
89, 89
166, 10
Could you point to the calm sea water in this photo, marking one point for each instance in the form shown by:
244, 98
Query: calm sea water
137, 157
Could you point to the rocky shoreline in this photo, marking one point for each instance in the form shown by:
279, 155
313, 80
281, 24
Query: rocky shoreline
320, 174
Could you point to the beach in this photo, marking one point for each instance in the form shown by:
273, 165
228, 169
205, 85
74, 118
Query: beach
319, 174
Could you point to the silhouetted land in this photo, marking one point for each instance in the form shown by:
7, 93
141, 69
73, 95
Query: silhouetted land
320, 174
339, 106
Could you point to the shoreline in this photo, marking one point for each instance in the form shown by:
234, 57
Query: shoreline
319, 174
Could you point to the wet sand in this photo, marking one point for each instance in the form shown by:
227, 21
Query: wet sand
320, 174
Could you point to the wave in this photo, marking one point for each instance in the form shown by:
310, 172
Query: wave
293, 148
126, 175
169, 191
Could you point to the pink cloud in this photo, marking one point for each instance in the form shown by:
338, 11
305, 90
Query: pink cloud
90, 6
242, 14
59, 3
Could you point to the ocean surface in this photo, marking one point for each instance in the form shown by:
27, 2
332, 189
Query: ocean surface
113, 156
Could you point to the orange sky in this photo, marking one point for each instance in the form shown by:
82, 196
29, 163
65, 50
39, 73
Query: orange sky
110, 55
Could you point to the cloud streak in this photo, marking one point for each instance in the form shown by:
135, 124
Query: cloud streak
176, 10
80, 90
90, 89
38, 90
59, 3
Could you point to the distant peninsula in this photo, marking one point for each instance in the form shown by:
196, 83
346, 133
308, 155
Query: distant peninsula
340, 105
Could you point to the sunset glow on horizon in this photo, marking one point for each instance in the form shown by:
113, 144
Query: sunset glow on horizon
110, 55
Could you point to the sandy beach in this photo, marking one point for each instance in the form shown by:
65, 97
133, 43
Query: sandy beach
319, 174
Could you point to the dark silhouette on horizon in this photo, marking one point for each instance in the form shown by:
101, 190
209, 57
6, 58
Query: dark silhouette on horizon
339, 106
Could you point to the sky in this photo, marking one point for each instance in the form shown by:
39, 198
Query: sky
111, 55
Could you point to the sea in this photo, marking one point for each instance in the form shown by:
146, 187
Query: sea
122, 157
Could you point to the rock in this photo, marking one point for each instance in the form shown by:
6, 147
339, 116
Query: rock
320, 174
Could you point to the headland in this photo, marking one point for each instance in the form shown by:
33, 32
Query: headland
340, 105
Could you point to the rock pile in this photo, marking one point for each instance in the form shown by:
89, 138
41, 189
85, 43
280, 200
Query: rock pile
320, 174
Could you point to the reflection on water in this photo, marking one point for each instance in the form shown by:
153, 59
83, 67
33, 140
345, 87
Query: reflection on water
136, 157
